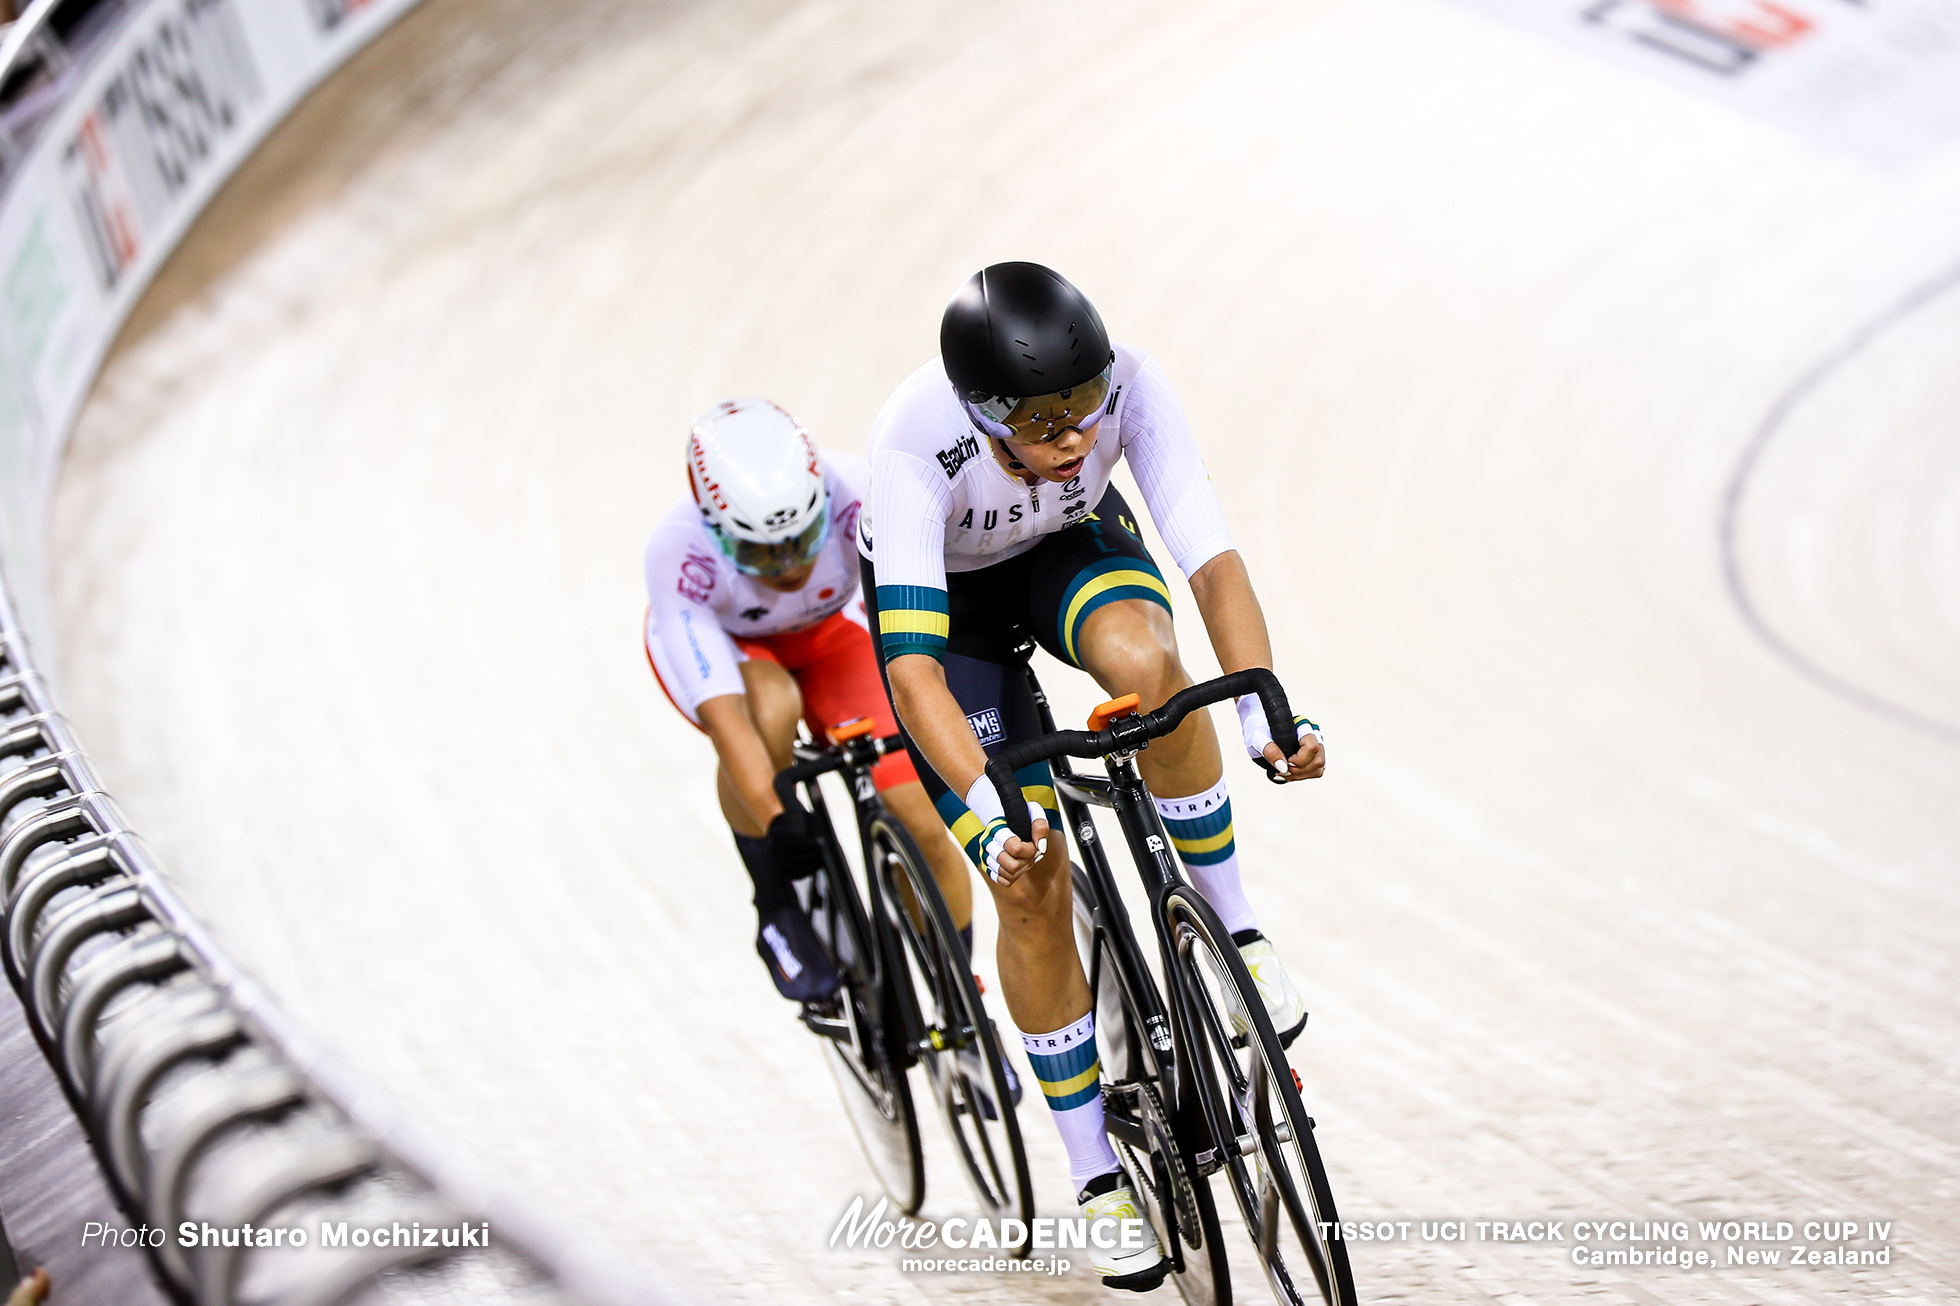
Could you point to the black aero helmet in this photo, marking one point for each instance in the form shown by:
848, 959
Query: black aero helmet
1020, 329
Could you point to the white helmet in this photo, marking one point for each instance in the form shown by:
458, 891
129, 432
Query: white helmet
754, 473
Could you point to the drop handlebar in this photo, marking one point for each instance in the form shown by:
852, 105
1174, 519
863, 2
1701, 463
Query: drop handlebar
1132, 732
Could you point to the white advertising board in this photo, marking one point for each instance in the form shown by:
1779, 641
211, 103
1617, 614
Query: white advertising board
175, 102
1880, 78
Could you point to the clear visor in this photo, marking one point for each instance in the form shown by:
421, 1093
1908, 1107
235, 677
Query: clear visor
753, 559
1041, 418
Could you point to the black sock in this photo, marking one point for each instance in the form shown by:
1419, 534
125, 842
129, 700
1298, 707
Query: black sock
773, 891
1243, 937
966, 938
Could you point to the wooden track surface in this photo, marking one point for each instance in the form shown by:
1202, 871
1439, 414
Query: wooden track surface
1612, 905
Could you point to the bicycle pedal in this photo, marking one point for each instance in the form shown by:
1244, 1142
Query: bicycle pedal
835, 1027
1298, 1087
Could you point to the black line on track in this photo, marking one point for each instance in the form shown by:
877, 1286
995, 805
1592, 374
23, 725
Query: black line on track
1738, 487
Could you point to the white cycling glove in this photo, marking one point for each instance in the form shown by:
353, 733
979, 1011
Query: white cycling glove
983, 800
1252, 724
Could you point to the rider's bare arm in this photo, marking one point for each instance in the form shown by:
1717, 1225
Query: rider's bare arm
1237, 626
1233, 617
938, 725
739, 745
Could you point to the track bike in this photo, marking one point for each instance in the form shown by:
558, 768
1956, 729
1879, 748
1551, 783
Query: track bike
908, 995
1195, 1081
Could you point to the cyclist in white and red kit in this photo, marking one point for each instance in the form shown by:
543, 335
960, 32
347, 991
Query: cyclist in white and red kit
991, 518
754, 623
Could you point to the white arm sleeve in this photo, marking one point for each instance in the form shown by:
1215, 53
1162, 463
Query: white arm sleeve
909, 504
1164, 458
694, 656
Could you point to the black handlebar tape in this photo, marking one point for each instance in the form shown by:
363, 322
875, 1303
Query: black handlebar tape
1279, 714
1002, 766
1084, 744
1253, 680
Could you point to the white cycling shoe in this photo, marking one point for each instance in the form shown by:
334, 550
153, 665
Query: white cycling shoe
1284, 1005
1136, 1268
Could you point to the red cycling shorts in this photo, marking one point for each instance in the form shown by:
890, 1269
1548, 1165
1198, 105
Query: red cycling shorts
836, 669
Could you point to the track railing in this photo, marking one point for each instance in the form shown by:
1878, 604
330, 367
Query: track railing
205, 1107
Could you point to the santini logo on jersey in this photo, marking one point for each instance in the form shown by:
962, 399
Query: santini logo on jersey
986, 726
963, 451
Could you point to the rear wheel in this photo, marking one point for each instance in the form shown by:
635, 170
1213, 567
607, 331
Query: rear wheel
957, 1041
1252, 1101
862, 1029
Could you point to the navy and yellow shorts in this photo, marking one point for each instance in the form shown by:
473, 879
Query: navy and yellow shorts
1045, 593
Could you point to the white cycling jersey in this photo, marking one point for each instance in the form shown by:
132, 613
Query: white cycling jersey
940, 501
697, 601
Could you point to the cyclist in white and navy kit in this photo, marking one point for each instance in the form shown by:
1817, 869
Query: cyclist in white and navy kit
990, 518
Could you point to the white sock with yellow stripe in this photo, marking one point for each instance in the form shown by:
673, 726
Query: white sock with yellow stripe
1070, 1073
1200, 828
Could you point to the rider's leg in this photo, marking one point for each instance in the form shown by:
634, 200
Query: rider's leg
1048, 998
783, 938
775, 705
1129, 646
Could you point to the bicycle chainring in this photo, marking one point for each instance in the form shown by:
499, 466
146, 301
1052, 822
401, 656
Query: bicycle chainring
1163, 1151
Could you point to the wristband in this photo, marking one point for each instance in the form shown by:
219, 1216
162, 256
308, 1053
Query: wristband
1252, 726
983, 800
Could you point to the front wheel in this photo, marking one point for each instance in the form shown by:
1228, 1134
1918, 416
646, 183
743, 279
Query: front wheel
1252, 1102
1152, 1148
956, 1040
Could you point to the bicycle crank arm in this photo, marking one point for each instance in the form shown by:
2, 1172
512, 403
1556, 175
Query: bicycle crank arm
826, 1026
1126, 1131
